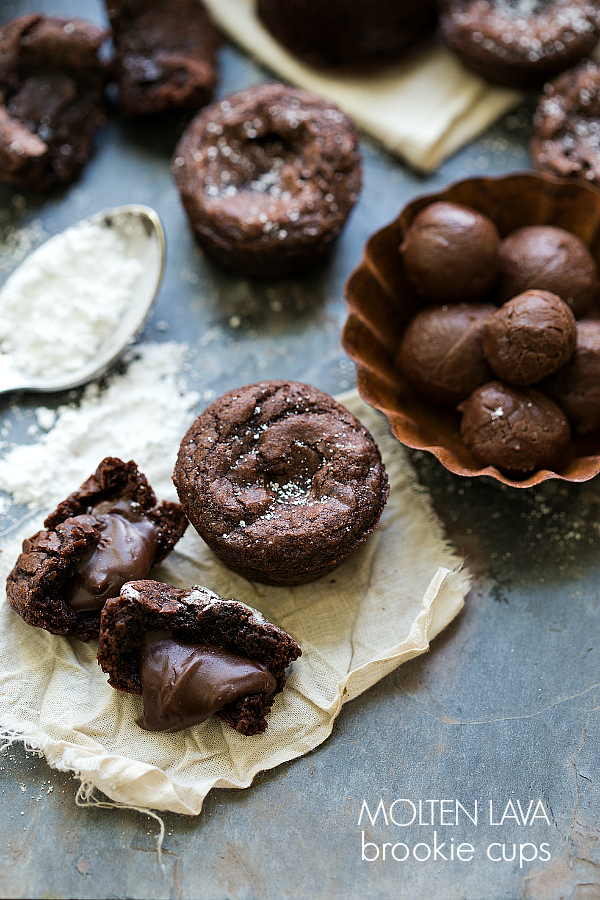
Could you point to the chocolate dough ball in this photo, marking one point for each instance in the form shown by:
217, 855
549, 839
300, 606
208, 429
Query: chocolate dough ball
529, 337
576, 387
551, 259
515, 429
450, 253
441, 353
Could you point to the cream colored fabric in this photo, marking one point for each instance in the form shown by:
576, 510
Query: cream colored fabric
378, 609
422, 109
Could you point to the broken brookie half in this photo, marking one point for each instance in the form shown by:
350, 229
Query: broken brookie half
192, 654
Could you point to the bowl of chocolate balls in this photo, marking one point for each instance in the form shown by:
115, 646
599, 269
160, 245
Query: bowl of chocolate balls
474, 322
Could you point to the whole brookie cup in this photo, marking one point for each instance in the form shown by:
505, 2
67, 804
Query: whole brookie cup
281, 481
268, 177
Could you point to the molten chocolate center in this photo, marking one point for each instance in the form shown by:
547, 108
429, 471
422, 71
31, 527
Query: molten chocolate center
184, 684
124, 553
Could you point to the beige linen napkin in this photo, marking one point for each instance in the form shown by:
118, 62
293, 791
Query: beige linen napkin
422, 109
381, 607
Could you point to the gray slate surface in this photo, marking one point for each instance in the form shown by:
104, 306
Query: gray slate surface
504, 707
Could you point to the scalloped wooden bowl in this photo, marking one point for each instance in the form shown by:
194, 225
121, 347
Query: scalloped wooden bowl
381, 302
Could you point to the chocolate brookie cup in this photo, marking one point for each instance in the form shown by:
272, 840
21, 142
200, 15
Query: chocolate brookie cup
281, 481
348, 34
192, 654
566, 125
519, 44
108, 532
51, 98
268, 177
165, 55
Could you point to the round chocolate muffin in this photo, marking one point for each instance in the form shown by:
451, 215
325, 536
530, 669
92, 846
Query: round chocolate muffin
519, 43
517, 430
549, 259
566, 133
441, 352
347, 33
529, 337
110, 531
450, 253
51, 98
191, 653
576, 387
268, 177
281, 481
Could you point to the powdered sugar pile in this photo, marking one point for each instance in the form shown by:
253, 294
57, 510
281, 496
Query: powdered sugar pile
61, 304
141, 415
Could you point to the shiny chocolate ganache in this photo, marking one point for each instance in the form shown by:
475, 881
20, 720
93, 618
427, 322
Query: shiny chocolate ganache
124, 553
184, 684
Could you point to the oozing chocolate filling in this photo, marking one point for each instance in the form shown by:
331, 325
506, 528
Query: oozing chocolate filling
184, 684
124, 553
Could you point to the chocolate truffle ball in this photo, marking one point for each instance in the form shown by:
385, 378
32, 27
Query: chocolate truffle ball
576, 387
515, 429
529, 337
450, 253
551, 259
441, 353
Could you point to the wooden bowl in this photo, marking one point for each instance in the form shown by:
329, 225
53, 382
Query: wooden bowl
381, 302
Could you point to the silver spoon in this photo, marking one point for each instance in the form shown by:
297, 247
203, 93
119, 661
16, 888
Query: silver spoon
146, 244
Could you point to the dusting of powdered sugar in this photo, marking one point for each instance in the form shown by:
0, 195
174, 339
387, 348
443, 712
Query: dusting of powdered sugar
141, 414
66, 299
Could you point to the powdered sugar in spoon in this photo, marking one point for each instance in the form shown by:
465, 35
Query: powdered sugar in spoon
74, 304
